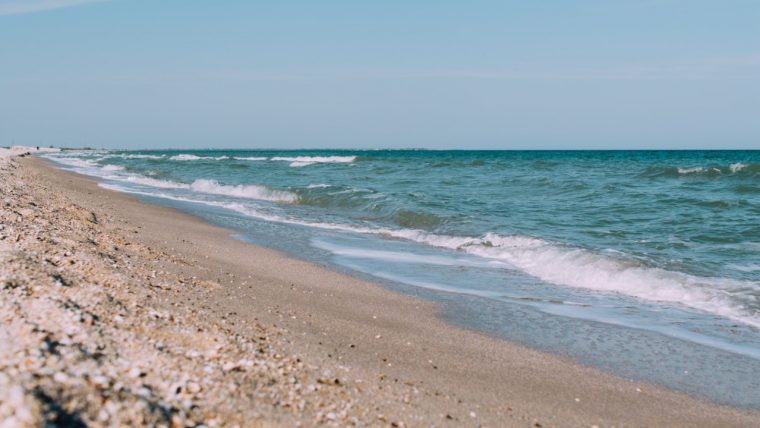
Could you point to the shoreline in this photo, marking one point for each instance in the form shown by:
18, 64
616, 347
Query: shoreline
391, 354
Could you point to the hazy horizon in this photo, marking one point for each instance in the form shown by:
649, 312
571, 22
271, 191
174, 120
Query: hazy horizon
488, 75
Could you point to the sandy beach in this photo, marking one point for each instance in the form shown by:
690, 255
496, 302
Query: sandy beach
114, 311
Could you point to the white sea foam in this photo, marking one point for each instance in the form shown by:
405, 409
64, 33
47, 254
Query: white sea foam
578, 268
698, 170
733, 168
581, 268
76, 162
690, 170
125, 156
317, 186
249, 191
152, 182
564, 265
296, 161
132, 156
250, 158
184, 157
299, 161
187, 157
246, 191
404, 257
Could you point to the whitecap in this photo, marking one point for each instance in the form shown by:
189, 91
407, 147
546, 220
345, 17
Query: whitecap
249, 191
250, 158
187, 157
184, 157
693, 170
153, 182
76, 162
142, 156
300, 161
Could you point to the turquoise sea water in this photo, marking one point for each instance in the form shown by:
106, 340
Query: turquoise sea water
644, 263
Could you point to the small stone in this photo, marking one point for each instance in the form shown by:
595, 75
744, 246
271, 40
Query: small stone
193, 388
60, 377
228, 367
103, 415
100, 380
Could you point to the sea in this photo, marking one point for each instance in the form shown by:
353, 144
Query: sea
645, 264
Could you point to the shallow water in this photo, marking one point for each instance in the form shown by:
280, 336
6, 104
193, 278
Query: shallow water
642, 263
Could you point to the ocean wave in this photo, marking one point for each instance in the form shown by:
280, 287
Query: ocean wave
711, 171
143, 156
133, 156
248, 191
565, 266
187, 157
300, 161
417, 219
152, 182
337, 197
184, 157
250, 158
411, 258
698, 170
745, 188
745, 268
369, 204
736, 167
295, 161
245, 191
551, 262
212, 187
580, 268
75, 162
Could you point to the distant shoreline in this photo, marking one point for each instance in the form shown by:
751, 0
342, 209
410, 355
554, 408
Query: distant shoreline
411, 149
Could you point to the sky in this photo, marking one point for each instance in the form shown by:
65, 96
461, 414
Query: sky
439, 74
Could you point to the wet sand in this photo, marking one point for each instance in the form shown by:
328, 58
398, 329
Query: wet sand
389, 356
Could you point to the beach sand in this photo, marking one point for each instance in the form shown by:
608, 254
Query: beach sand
117, 311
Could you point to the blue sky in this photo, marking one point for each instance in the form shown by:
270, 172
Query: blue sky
372, 74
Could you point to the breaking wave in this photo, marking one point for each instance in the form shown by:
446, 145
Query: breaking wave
248, 191
250, 158
562, 265
299, 161
186, 157
295, 161
711, 171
